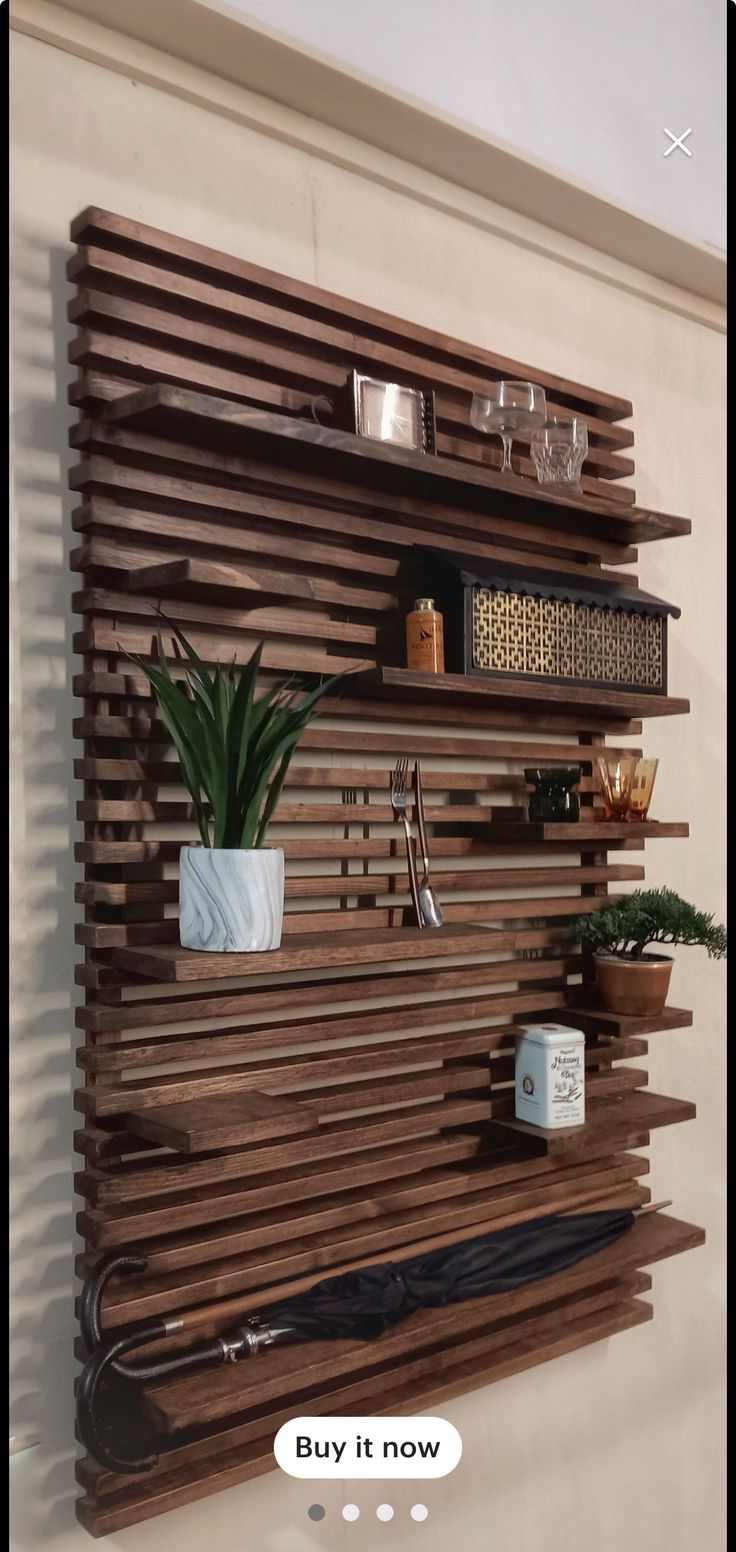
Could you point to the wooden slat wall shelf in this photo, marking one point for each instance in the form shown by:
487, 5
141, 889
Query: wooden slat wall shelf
610, 706
181, 415
250, 1122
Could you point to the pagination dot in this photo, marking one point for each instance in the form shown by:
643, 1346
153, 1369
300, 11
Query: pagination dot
351, 1512
384, 1512
316, 1511
419, 1511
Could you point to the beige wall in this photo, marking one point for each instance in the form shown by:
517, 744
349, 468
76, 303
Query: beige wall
617, 1447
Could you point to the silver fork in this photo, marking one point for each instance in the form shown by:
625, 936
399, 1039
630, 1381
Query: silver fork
397, 793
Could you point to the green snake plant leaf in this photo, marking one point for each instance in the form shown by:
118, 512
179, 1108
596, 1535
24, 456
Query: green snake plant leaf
234, 746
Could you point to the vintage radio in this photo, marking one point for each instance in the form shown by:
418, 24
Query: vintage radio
525, 624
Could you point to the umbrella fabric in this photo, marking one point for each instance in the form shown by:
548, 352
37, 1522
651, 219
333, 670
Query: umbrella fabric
368, 1301
359, 1304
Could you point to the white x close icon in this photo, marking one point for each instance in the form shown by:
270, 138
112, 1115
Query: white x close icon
677, 142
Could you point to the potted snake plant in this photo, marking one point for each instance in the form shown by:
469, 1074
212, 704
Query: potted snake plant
630, 979
234, 751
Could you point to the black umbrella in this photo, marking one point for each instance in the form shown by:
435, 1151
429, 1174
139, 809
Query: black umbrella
360, 1304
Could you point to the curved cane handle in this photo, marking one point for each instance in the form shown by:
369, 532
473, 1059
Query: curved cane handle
93, 1288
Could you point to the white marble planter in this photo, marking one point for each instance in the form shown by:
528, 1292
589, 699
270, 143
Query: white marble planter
231, 902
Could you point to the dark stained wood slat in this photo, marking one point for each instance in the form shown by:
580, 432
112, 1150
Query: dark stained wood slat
396, 1045
645, 1110
205, 1124
94, 893
107, 229
429, 1166
381, 1167
599, 830
443, 1327
275, 528
608, 706
589, 1016
296, 999
184, 414
652, 1239
312, 951
229, 1237
253, 536
493, 744
387, 1238
351, 1027
290, 363
369, 916
239, 1465
93, 264
121, 852
131, 1182
182, 480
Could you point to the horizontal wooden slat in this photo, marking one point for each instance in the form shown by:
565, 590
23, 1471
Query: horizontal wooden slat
131, 1182
232, 1040
219, 498
180, 1249
143, 894
169, 410
95, 265
608, 706
146, 1296
132, 1506
295, 998
224, 1123
108, 230
645, 1110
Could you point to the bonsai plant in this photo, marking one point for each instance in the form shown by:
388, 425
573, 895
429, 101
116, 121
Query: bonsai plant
234, 751
630, 980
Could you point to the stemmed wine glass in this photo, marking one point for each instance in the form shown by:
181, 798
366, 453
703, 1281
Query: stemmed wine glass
508, 407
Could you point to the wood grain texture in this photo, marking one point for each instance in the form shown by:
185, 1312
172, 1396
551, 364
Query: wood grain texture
224, 1122
254, 1122
179, 413
607, 706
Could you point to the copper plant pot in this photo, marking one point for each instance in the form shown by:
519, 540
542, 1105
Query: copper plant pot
637, 987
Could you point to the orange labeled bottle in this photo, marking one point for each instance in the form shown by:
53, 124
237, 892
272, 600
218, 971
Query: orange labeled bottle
425, 642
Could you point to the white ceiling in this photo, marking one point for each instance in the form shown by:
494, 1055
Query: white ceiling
587, 86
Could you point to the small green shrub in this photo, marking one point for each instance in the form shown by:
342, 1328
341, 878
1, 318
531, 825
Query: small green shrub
645, 917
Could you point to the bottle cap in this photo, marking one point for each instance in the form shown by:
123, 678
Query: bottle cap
424, 603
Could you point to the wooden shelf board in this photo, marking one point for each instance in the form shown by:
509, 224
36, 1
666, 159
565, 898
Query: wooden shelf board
215, 505
225, 1121
592, 1297
202, 579
130, 1505
601, 831
592, 1016
181, 413
313, 950
175, 1403
608, 706
606, 1120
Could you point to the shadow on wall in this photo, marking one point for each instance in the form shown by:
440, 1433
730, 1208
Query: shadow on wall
42, 838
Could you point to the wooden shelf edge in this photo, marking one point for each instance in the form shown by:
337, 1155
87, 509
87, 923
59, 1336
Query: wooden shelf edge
164, 408
606, 1120
594, 1017
115, 1512
611, 706
313, 951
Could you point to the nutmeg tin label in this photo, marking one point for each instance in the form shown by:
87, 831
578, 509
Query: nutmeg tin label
550, 1076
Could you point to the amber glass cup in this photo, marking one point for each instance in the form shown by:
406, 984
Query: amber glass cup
642, 788
616, 780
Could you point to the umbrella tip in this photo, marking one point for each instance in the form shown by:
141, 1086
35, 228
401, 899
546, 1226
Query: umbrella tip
651, 1207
